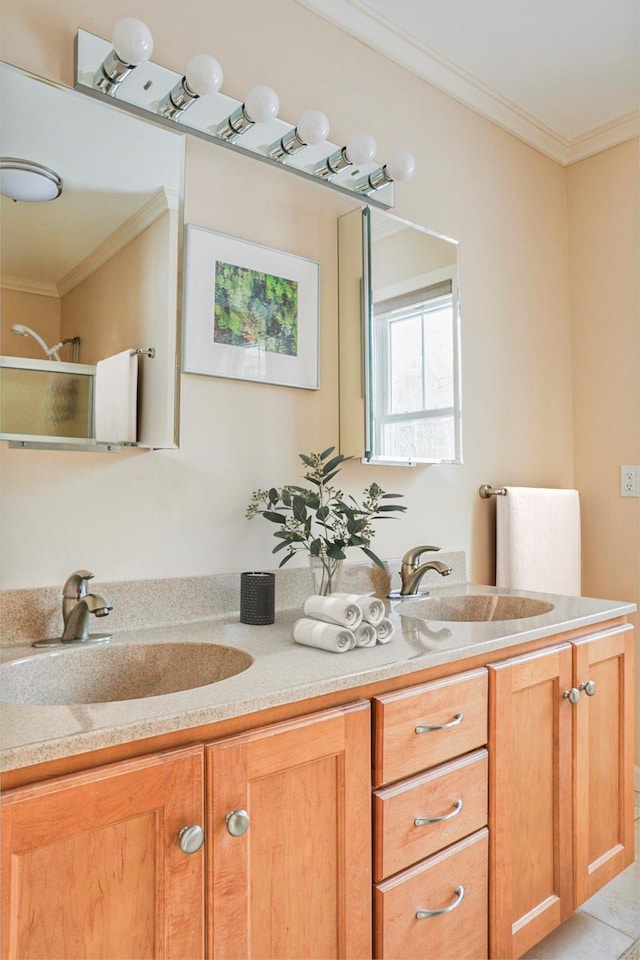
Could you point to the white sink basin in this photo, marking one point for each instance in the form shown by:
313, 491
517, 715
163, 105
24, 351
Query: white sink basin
474, 608
103, 674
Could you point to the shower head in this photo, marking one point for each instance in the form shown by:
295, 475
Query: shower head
23, 331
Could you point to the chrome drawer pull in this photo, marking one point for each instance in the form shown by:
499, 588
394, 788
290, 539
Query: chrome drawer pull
573, 696
459, 717
237, 822
589, 687
425, 914
423, 821
191, 838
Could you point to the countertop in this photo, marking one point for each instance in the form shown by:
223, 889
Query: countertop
282, 672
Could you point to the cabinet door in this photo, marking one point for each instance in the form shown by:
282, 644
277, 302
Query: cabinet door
530, 805
92, 866
603, 737
297, 882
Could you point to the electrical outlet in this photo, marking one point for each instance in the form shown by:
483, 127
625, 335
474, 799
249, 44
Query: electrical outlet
630, 481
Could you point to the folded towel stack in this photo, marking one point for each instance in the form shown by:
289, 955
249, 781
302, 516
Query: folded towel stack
342, 621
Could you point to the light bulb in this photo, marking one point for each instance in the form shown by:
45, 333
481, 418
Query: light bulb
204, 75
400, 166
313, 127
262, 104
132, 41
360, 148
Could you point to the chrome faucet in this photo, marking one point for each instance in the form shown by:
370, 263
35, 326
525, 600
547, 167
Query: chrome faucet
412, 571
77, 605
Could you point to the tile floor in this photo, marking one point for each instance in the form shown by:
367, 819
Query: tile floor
604, 927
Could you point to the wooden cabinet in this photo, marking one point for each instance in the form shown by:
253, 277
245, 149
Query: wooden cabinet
297, 882
92, 866
430, 837
561, 791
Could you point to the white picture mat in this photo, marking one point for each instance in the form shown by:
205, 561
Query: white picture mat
203, 355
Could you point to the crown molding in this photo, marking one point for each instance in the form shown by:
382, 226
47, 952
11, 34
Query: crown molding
368, 26
37, 287
159, 203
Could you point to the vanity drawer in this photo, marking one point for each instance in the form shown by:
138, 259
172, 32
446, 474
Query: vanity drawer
422, 726
453, 796
435, 884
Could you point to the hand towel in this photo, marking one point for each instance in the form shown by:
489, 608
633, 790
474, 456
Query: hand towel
333, 610
115, 398
365, 635
384, 630
538, 540
326, 636
373, 610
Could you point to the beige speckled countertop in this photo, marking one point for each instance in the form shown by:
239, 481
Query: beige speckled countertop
282, 672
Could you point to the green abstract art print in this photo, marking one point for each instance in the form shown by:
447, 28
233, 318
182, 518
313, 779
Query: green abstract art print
254, 309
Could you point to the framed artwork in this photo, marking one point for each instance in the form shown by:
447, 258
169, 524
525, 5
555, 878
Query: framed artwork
250, 312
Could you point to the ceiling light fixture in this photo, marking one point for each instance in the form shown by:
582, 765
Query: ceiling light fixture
132, 45
312, 128
262, 104
26, 180
400, 166
202, 78
360, 148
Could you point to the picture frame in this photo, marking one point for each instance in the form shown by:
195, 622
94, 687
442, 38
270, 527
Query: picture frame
250, 312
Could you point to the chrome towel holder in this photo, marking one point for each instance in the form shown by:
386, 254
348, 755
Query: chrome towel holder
486, 491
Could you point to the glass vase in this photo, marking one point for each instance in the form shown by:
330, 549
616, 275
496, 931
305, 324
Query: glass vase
326, 574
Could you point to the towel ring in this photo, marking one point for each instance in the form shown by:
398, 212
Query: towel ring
486, 491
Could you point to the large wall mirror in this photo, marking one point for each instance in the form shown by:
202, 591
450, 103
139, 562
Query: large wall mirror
399, 307
92, 274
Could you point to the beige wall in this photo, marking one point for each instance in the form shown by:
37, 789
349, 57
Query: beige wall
602, 198
40, 313
173, 513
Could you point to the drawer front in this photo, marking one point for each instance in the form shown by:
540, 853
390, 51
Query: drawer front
426, 725
455, 880
451, 798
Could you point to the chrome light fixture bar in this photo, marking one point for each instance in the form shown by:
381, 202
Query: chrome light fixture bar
194, 103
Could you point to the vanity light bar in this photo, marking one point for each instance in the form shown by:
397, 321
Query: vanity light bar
122, 73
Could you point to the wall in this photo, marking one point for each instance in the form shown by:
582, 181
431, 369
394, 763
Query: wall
602, 198
40, 313
181, 513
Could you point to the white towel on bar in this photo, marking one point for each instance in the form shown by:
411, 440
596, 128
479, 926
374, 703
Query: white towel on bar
538, 540
115, 399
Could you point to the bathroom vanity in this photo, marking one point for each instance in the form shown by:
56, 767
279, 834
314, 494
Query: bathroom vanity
363, 805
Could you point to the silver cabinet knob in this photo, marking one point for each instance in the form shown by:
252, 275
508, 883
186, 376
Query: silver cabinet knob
191, 838
589, 687
572, 695
237, 822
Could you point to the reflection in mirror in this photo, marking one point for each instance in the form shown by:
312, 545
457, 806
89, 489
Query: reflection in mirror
399, 341
89, 276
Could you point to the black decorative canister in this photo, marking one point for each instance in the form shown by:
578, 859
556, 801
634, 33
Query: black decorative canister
257, 597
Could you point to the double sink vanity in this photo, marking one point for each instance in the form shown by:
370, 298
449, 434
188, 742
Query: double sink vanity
212, 789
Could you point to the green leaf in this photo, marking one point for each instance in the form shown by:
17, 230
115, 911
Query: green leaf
299, 509
325, 453
274, 496
306, 460
331, 465
372, 556
388, 508
274, 517
387, 496
285, 559
335, 552
280, 546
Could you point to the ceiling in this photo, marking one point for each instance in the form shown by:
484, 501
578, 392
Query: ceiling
562, 75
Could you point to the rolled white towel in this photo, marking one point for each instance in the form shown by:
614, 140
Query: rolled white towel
365, 635
373, 609
326, 636
384, 630
333, 610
